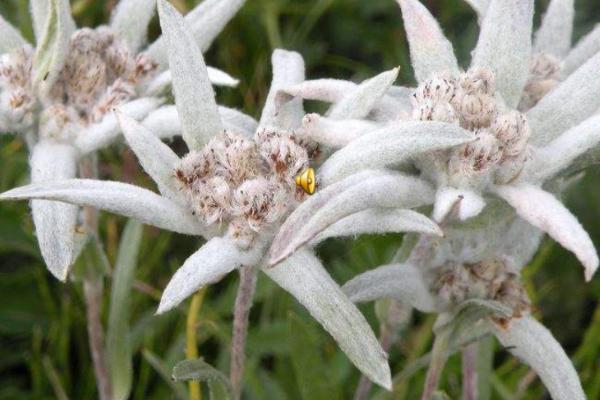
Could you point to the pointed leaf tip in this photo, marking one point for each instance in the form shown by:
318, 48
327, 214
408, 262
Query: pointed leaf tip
194, 95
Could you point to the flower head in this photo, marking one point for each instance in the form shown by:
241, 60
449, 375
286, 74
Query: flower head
235, 187
491, 163
60, 95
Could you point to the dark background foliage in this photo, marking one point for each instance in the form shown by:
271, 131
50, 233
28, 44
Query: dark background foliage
43, 339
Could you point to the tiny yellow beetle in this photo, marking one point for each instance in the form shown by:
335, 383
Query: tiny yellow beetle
306, 180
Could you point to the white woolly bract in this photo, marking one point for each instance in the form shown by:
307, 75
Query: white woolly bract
391, 145
120, 198
216, 258
402, 282
504, 45
544, 211
194, 96
567, 105
431, 53
304, 277
55, 223
390, 190
532, 343
379, 221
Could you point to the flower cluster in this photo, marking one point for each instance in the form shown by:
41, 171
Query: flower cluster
244, 182
60, 96
500, 144
99, 74
488, 150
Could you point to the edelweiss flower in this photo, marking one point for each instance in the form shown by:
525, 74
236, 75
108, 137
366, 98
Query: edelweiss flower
234, 188
490, 163
60, 95
553, 58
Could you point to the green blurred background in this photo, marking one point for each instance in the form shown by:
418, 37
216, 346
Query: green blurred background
43, 339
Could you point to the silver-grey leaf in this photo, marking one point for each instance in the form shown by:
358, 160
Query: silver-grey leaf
430, 52
217, 257
304, 277
504, 46
194, 96
533, 344
119, 198
403, 282
55, 223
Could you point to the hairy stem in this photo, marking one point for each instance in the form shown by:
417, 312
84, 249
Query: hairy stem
93, 289
469, 371
439, 356
243, 303
191, 347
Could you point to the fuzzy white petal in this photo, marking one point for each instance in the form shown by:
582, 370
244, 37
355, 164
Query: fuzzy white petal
305, 278
157, 159
359, 102
329, 90
55, 222
305, 211
52, 48
206, 21
216, 258
107, 130
469, 203
554, 35
165, 124
505, 46
130, 19
221, 78
533, 344
430, 52
236, 121
403, 282
288, 69
567, 105
479, 6
391, 190
379, 221
11, 37
194, 96
119, 198
332, 91
39, 15
163, 81
334, 133
583, 51
542, 210
390, 145
564, 150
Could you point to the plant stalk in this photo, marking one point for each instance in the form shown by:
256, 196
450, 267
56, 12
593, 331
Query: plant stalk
191, 348
469, 372
93, 289
241, 314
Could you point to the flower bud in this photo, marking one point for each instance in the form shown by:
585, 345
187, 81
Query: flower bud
85, 72
283, 155
544, 76
512, 130
474, 101
432, 101
261, 201
477, 156
211, 199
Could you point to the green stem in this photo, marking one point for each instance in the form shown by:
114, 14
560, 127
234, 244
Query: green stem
191, 348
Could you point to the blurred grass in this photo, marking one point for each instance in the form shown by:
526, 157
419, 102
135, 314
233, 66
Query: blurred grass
43, 343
